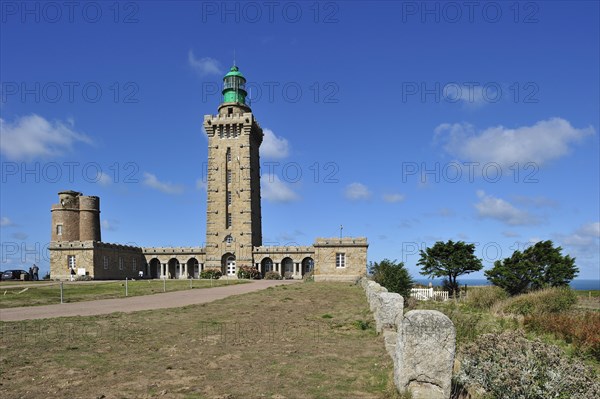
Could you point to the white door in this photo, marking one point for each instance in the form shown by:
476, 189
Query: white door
231, 266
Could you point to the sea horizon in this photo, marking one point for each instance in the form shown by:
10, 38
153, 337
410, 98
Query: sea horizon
577, 284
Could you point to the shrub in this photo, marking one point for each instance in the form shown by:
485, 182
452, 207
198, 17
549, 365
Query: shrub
84, 278
484, 297
582, 329
272, 276
248, 272
211, 273
508, 365
288, 275
308, 277
393, 276
550, 300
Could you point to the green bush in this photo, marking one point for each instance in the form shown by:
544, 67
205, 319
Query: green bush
84, 278
549, 300
485, 297
272, 276
248, 272
211, 273
393, 276
508, 365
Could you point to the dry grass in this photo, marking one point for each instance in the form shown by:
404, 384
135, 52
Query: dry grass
549, 300
268, 344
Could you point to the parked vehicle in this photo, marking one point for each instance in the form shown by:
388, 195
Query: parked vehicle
15, 274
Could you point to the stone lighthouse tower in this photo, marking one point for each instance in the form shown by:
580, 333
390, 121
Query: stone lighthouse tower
233, 215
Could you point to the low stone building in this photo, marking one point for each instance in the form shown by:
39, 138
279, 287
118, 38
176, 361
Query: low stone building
233, 219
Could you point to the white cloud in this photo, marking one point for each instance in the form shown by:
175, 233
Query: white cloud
357, 192
445, 212
274, 147
274, 190
19, 235
584, 245
204, 66
510, 234
470, 95
104, 179
590, 229
545, 141
201, 185
5, 222
537, 202
392, 198
109, 225
33, 136
150, 180
499, 209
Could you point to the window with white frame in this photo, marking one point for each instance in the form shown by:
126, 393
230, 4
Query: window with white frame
340, 259
59, 229
134, 264
121, 263
71, 261
106, 260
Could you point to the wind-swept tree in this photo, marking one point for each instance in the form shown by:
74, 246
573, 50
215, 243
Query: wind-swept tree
449, 260
539, 266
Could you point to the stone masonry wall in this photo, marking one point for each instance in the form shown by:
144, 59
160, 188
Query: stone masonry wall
422, 343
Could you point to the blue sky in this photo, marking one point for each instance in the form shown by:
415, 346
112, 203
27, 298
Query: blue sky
406, 122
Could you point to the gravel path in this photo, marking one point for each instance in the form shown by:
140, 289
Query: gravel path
136, 303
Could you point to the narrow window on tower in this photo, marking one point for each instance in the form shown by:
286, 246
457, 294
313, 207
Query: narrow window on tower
228, 177
59, 229
229, 110
228, 154
228, 197
121, 263
228, 221
105, 262
71, 261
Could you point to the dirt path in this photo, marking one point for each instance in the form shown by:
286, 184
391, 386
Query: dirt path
133, 304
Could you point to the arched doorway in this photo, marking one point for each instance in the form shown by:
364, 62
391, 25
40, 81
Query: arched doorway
154, 268
307, 265
228, 265
266, 265
173, 268
287, 267
193, 270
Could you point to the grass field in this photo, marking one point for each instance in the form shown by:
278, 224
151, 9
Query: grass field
310, 340
40, 293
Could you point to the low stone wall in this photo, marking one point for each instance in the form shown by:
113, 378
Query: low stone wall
421, 343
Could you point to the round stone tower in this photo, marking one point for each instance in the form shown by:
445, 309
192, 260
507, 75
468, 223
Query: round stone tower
89, 218
65, 217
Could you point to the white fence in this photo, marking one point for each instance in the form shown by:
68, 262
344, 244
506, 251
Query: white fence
424, 294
